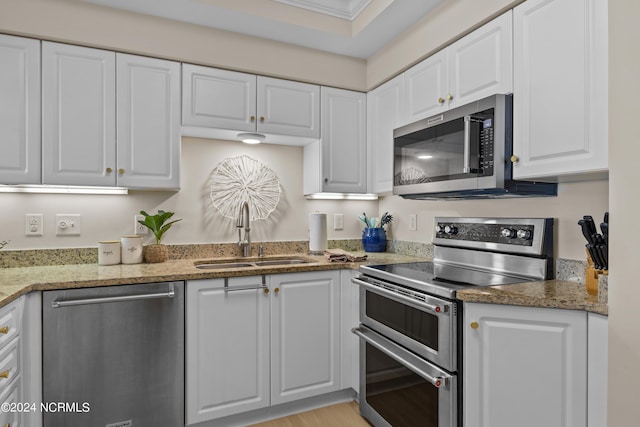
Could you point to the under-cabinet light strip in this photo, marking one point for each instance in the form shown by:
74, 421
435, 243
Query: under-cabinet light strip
341, 196
61, 189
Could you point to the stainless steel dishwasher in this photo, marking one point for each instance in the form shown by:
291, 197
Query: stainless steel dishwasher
114, 356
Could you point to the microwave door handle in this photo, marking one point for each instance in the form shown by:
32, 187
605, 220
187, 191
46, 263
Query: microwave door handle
466, 168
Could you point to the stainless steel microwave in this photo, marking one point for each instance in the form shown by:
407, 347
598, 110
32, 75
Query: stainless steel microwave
461, 153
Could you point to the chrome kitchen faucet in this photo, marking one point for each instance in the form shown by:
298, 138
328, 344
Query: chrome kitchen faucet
243, 222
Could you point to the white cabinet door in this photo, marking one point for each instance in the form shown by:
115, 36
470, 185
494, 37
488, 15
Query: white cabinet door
79, 115
385, 111
19, 110
227, 348
305, 337
148, 122
474, 67
218, 98
560, 89
337, 162
597, 367
426, 85
349, 319
288, 108
480, 64
524, 367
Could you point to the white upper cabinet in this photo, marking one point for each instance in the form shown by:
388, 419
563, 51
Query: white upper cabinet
288, 108
474, 67
426, 84
80, 138
216, 98
79, 115
19, 110
385, 111
220, 104
337, 162
560, 90
148, 122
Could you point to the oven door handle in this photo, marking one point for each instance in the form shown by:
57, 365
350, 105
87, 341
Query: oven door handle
436, 309
437, 382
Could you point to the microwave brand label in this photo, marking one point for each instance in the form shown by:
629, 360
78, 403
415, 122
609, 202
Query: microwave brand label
487, 123
128, 423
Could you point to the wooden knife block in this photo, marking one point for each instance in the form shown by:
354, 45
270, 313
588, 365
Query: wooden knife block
591, 276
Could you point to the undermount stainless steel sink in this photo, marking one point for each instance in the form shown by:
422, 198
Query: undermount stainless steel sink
214, 266
222, 264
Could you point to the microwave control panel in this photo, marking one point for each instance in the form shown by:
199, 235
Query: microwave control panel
485, 149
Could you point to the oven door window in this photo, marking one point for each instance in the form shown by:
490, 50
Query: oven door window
397, 394
418, 325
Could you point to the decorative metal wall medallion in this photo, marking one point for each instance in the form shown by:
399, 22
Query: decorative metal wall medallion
239, 179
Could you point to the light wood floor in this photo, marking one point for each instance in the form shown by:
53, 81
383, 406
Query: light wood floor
343, 414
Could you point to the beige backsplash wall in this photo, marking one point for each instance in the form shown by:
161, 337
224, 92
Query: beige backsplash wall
573, 201
109, 217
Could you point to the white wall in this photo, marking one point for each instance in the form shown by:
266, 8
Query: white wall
573, 201
624, 151
106, 217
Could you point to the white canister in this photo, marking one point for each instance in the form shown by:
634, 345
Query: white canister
131, 249
109, 252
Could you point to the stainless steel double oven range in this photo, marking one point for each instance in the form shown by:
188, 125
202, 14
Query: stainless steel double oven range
410, 331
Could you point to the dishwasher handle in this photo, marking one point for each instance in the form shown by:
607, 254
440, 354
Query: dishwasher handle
103, 300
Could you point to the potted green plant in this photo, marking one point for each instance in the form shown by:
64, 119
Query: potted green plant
158, 225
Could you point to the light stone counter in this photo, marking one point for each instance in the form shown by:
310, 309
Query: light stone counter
548, 294
18, 281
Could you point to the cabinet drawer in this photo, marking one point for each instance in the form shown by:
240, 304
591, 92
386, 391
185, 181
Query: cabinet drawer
12, 395
9, 364
10, 316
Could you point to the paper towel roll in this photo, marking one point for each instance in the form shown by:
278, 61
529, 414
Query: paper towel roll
317, 233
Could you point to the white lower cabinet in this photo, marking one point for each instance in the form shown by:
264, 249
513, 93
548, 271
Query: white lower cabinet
253, 348
524, 366
305, 335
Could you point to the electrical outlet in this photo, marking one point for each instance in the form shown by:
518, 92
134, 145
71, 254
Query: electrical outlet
34, 225
139, 229
68, 225
413, 222
338, 221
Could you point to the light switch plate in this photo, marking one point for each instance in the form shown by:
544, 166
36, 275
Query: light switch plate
413, 222
338, 221
68, 225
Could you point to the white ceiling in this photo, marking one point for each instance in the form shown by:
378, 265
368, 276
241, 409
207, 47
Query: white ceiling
355, 28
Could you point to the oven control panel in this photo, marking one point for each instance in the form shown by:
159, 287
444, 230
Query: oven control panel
526, 236
505, 233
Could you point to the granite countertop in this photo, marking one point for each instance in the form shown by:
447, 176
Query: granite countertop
18, 281
546, 294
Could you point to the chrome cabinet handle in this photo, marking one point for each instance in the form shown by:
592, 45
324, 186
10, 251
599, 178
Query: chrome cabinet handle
102, 300
246, 288
435, 381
